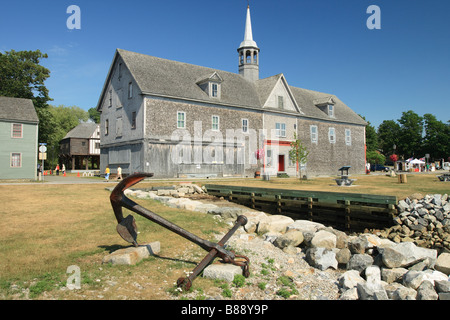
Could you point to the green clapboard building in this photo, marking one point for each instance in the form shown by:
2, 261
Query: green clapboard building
18, 139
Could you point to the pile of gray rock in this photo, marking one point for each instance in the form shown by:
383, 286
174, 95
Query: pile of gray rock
422, 220
374, 266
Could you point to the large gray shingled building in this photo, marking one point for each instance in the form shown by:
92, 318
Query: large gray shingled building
180, 120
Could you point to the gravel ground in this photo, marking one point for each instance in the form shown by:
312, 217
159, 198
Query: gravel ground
269, 265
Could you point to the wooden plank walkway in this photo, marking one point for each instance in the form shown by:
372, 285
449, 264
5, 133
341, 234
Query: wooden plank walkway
345, 211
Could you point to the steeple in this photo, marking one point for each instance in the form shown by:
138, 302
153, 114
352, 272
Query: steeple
249, 53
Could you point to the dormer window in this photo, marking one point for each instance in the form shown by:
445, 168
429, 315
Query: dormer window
214, 90
280, 102
211, 85
331, 110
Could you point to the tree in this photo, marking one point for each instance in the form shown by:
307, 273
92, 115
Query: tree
298, 153
436, 141
94, 115
65, 119
410, 135
388, 132
371, 136
375, 157
22, 76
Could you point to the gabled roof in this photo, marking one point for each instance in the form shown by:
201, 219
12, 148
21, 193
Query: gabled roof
17, 109
167, 78
178, 80
82, 131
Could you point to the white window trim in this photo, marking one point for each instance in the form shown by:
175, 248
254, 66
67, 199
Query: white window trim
212, 123
211, 87
184, 120
280, 132
332, 134
348, 137
314, 136
12, 130
246, 127
11, 158
331, 110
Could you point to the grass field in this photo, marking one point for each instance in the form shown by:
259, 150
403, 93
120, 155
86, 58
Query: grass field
46, 228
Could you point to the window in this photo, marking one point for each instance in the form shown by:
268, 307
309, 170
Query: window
332, 135
130, 90
133, 120
110, 98
16, 130
331, 110
16, 160
181, 120
245, 125
281, 102
280, 129
119, 123
106, 127
314, 134
215, 123
214, 90
348, 137
120, 71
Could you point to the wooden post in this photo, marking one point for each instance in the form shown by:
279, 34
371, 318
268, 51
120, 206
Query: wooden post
278, 197
310, 207
252, 199
347, 214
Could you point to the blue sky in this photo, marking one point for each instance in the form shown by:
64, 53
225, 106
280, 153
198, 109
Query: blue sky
321, 45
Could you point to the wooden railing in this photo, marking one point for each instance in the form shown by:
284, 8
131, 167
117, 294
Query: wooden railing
344, 211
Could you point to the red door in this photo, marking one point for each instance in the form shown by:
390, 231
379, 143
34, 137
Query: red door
281, 162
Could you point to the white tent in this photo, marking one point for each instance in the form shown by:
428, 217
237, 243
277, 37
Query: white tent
417, 161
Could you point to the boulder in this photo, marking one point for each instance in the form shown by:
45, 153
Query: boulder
426, 291
359, 262
443, 263
305, 226
350, 279
132, 255
405, 254
404, 293
274, 223
290, 238
324, 239
222, 271
321, 258
392, 275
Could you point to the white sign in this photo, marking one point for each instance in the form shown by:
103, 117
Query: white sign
43, 149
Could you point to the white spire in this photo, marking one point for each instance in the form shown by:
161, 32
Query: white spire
248, 36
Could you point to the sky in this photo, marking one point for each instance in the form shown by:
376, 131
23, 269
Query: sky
321, 45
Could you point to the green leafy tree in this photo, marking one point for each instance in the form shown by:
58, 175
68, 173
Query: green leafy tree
436, 141
388, 133
375, 157
22, 76
371, 136
65, 119
298, 153
94, 115
410, 135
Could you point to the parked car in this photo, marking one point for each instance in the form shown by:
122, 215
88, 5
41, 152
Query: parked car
378, 167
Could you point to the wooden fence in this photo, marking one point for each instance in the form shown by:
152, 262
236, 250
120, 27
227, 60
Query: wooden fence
344, 211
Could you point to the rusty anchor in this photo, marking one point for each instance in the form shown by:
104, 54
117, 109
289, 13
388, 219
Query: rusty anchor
127, 229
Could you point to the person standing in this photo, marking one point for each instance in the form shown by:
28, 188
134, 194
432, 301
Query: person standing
119, 173
107, 173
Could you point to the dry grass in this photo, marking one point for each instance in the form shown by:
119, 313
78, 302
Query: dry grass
46, 228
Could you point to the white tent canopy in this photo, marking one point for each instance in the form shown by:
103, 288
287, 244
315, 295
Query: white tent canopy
417, 161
